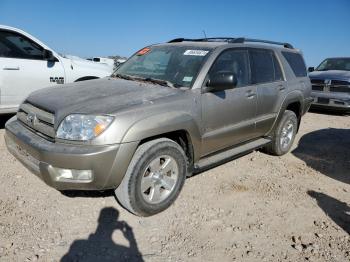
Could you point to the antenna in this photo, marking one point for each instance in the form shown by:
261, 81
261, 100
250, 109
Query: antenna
205, 35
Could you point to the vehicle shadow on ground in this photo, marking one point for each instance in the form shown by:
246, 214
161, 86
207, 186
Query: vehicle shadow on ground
3, 119
327, 151
338, 211
100, 245
87, 194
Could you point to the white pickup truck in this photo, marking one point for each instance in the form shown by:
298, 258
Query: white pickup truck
103, 60
27, 64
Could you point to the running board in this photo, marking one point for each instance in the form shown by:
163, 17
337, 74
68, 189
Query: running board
227, 155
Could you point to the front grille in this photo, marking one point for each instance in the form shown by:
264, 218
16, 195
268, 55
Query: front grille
317, 87
332, 86
37, 119
317, 84
340, 83
317, 81
343, 89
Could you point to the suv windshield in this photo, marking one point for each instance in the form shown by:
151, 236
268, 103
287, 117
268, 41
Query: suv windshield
176, 65
334, 64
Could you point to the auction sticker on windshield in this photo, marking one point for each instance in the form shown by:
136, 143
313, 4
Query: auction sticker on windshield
187, 79
143, 51
196, 52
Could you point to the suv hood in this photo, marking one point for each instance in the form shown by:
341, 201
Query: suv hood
330, 74
98, 97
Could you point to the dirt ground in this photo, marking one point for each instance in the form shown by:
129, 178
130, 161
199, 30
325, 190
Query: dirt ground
256, 208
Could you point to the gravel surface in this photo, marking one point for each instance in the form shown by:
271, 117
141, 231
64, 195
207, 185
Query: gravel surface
255, 208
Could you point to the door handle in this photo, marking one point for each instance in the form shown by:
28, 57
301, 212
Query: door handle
281, 88
250, 94
11, 68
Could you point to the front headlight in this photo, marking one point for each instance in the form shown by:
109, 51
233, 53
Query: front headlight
83, 127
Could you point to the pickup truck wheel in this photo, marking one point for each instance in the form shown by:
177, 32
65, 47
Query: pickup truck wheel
154, 177
284, 135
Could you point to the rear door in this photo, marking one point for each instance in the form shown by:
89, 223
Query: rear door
23, 68
268, 78
229, 116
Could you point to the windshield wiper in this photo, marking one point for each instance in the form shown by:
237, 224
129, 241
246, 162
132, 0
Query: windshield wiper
161, 82
148, 79
158, 81
126, 77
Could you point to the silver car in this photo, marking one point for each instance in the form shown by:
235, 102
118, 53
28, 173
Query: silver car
331, 84
171, 110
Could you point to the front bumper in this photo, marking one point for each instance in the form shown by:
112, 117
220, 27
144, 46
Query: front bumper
108, 163
331, 101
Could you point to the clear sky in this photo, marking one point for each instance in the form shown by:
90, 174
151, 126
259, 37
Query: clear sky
100, 28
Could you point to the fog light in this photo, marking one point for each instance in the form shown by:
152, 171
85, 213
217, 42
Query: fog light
70, 175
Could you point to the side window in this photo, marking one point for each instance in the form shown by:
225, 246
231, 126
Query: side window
14, 45
235, 61
296, 62
262, 63
4, 50
277, 67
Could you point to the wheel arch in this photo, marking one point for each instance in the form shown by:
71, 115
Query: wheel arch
295, 107
293, 102
183, 138
177, 126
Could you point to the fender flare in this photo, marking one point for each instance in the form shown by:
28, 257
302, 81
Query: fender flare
167, 122
292, 97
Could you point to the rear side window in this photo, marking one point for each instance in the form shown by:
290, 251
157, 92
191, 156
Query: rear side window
296, 62
264, 66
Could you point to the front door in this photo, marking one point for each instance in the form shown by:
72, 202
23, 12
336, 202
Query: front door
229, 116
23, 68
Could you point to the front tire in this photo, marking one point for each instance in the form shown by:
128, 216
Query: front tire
284, 135
154, 178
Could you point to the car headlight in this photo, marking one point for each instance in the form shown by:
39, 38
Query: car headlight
83, 127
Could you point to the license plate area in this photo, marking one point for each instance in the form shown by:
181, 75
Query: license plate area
26, 156
323, 100
23, 156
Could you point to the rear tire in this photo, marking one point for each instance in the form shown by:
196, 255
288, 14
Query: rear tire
284, 135
154, 178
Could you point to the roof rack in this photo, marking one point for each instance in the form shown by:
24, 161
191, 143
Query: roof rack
211, 39
231, 40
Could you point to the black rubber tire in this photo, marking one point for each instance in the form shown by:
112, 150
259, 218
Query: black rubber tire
129, 193
275, 148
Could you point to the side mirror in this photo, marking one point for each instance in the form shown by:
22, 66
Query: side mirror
221, 81
311, 69
48, 55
